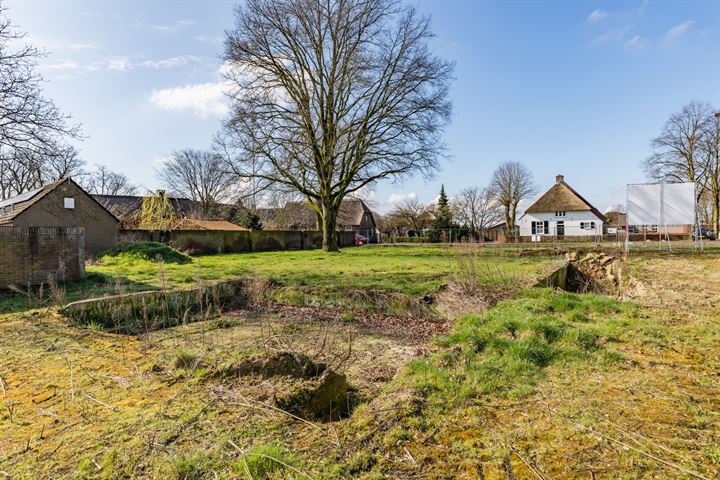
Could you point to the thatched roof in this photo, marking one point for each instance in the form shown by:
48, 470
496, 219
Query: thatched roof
562, 197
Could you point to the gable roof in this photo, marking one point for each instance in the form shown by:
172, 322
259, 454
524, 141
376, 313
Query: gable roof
198, 224
26, 200
128, 204
562, 197
125, 206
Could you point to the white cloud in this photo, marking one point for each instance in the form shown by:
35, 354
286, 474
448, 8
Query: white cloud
612, 35
68, 65
85, 46
597, 15
179, 25
203, 99
211, 39
122, 64
396, 198
677, 31
635, 44
171, 62
118, 64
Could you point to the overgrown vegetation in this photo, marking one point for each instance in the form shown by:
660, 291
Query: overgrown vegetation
504, 351
136, 254
412, 271
540, 384
157, 213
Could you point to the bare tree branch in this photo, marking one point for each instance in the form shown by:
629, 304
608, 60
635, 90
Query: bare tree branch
103, 181
332, 95
511, 183
200, 176
33, 132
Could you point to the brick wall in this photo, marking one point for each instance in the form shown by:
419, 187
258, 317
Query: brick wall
32, 254
213, 241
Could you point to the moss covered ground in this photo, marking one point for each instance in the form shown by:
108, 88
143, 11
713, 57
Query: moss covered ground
543, 384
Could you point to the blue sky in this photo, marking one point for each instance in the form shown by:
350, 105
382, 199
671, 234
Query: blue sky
570, 87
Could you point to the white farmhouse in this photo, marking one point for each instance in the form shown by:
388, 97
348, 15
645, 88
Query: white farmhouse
561, 212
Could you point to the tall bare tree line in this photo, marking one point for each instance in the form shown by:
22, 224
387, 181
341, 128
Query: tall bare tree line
688, 150
34, 134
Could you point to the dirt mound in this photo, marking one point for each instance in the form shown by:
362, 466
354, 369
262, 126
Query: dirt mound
290, 364
595, 272
322, 398
309, 390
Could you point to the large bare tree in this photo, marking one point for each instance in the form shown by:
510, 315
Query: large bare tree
511, 183
103, 181
476, 208
33, 132
676, 153
199, 175
332, 95
710, 147
411, 214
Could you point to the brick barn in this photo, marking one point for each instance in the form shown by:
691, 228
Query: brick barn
63, 204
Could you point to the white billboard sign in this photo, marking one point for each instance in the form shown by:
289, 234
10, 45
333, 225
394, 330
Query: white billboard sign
661, 204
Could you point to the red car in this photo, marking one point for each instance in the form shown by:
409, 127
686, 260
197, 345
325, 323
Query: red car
360, 240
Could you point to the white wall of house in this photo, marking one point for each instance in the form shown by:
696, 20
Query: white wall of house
577, 224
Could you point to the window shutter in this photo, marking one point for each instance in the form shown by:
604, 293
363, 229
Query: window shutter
533, 227
546, 229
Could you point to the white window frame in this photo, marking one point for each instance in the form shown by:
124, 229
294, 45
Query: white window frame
539, 228
69, 203
560, 213
587, 225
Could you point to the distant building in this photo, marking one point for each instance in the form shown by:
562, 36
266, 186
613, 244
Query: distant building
63, 204
354, 216
206, 225
561, 212
128, 207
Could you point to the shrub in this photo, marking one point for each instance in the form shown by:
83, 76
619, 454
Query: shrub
144, 252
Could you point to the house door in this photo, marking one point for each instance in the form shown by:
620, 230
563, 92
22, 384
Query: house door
560, 229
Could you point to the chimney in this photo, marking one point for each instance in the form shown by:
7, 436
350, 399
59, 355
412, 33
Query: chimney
559, 178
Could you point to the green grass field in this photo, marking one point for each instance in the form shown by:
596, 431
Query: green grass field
408, 270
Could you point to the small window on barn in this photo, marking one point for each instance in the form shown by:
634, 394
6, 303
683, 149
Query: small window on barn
69, 203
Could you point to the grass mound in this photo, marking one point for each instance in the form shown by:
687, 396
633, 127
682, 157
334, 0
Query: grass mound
505, 350
145, 252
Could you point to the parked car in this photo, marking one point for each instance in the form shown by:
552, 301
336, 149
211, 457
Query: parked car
704, 233
360, 239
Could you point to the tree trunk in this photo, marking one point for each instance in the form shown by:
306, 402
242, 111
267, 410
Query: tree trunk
715, 212
329, 223
508, 220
